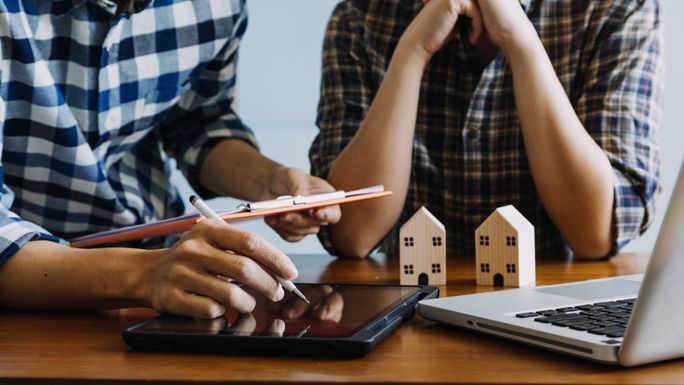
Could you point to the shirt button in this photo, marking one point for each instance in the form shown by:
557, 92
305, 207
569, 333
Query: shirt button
473, 135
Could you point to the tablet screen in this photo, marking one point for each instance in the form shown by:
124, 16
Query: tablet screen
336, 311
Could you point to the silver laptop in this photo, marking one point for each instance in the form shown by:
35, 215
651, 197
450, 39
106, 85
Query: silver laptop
628, 320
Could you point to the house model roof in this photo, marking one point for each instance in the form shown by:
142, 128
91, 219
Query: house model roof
425, 211
514, 218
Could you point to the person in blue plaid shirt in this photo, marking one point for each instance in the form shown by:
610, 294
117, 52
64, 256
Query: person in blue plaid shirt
463, 106
97, 97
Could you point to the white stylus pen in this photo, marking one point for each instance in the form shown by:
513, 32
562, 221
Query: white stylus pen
211, 214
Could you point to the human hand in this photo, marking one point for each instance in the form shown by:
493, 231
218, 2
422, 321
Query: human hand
293, 227
506, 22
190, 278
434, 26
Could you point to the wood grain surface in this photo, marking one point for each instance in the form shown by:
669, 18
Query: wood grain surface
54, 348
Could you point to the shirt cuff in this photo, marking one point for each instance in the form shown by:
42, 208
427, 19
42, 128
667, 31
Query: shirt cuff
632, 211
16, 232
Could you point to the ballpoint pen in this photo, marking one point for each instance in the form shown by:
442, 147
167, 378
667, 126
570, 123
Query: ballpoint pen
205, 210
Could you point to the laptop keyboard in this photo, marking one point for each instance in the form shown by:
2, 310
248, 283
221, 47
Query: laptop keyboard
601, 318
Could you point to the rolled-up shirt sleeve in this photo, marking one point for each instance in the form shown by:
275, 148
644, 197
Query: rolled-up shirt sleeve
621, 106
15, 232
345, 95
204, 115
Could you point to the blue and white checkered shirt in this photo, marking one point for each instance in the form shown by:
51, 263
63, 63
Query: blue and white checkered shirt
95, 104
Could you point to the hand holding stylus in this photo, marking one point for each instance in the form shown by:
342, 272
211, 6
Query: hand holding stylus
185, 279
211, 214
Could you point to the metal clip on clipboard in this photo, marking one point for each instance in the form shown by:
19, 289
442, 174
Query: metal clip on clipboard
288, 200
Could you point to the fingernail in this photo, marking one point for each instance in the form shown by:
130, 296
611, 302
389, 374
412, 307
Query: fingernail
219, 311
320, 215
290, 271
280, 293
287, 218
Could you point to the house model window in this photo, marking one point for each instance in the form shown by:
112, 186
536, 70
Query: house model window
408, 241
436, 241
484, 240
510, 241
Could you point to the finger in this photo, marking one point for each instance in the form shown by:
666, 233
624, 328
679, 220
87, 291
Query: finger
250, 273
328, 215
211, 262
292, 233
227, 237
299, 220
225, 293
289, 237
472, 11
189, 304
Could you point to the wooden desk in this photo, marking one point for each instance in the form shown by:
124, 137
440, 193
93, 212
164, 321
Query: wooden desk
87, 347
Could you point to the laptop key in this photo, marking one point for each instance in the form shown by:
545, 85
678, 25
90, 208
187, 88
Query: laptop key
572, 321
616, 335
546, 312
609, 304
606, 323
527, 315
584, 327
558, 317
612, 329
589, 307
566, 309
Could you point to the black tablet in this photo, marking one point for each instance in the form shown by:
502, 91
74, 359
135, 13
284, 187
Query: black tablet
341, 321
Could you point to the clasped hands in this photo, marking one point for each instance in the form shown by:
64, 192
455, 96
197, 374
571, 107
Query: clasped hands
503, 22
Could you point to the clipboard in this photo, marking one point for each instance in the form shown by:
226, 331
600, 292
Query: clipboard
245, 212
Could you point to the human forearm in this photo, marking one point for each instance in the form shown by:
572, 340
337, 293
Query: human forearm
571, 172
188, 278
385, 141
48, 276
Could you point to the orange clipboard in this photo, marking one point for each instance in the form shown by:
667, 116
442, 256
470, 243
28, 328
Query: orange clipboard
185, 222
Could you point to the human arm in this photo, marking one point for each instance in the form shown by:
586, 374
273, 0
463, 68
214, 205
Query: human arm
218, 153
384, 138
182, 279
586, 165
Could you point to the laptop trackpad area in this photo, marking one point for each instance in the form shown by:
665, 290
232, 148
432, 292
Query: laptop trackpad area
589, 291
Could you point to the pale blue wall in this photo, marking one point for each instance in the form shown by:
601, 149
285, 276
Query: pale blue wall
279, 74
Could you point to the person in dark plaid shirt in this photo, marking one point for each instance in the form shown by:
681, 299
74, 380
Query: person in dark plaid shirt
96, 99
463, 106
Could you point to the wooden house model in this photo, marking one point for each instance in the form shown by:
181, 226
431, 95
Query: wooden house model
504, 249
422, 250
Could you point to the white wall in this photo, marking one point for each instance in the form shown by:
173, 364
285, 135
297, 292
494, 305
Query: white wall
279, 74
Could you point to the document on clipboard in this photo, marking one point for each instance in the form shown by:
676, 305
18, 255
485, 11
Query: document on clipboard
244, 212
